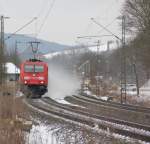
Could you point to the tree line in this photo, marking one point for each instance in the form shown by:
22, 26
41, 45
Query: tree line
137, 14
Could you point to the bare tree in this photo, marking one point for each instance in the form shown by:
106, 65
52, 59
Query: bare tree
137, 14
13, 57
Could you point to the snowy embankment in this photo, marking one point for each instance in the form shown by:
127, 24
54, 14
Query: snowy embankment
41, 134
63, 101
105, 98
144, 94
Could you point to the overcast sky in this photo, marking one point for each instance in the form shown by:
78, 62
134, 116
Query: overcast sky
67, 20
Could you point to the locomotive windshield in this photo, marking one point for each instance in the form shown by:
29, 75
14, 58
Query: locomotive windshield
39, 68
29, 68
34, 68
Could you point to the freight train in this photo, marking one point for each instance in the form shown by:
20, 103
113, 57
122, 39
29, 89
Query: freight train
34, 78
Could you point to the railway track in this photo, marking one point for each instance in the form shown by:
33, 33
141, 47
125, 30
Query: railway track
133, 107
111, 111
87, 113
82, 117
128, 107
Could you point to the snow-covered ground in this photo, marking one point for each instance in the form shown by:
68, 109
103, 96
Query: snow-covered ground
19, 94
144, 93
41, 134
62, 101
58, 133
98, 97
51, 55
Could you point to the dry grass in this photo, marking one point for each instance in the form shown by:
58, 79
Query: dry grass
133, 99
10, 108
138, 101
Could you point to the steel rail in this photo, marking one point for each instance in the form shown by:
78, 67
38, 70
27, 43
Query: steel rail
88, 121
140, 108
87, 113
114, 104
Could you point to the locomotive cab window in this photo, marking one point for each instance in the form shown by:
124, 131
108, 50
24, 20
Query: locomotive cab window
39, 68
29, 68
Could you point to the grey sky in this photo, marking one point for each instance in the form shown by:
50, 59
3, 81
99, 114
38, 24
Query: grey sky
68, 19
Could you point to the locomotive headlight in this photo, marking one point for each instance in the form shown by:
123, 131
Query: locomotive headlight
41, 78
25, 82
26, 78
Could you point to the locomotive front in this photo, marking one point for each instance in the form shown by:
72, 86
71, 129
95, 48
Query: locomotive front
34, 78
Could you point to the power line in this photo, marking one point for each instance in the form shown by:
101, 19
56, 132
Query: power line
105, 28
43, 6
21, 28
123, 56
46, 16
108, 25
93, 36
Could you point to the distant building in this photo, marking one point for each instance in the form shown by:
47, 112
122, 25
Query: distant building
11, 71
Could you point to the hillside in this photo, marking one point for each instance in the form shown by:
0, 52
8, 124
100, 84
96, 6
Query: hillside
23, 48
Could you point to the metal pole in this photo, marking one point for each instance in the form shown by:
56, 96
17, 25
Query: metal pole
15, 61
97, 67
123, 63
136, 78
2, 51
2, 61
107, 60
123, 55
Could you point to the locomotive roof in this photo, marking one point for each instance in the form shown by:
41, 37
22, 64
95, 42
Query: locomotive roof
34, 61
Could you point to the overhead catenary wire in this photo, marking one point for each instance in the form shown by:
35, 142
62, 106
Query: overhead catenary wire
95, 36
108, 25
33, 19
43, 7
24, 26
46, 16
105, 28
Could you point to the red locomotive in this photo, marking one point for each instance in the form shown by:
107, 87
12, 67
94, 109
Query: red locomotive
34, 78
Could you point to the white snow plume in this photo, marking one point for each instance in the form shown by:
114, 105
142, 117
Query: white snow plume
62, 82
